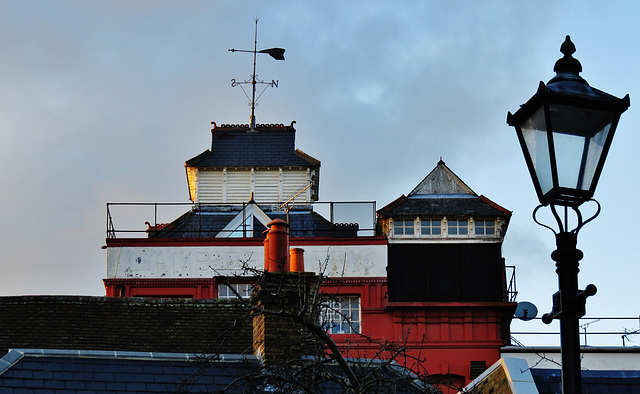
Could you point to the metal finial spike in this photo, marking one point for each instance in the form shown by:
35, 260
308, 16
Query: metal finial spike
567, 47
567, 64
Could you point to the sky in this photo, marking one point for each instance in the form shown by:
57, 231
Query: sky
105, 101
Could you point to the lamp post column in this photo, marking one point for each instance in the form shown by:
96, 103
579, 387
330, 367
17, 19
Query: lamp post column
569, 306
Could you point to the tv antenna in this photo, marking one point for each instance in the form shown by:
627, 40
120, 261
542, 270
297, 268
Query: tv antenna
276, 53
584, 327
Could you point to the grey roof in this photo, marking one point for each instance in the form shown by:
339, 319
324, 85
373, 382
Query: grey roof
207, 221
442, 193
65, 371
440, 205
441, 180
549, 381
267, 146
69, 371
131, 324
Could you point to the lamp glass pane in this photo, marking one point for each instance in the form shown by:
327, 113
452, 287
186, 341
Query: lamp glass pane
569, 149
594, 153
534, 132
579, 136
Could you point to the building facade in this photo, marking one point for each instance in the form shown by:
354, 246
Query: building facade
424, 272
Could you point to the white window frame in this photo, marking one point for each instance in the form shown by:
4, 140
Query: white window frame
404, 227
481, 225
431, 227
457, 227
342, 315
449, 227
244, 289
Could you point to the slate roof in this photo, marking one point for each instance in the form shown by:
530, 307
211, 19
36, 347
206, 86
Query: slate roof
442, 193
267, 146
131, 324
549, 381
67, 371
515, 372
207, 221
441, 205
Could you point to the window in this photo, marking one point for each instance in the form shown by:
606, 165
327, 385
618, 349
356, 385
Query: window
458, 226
341, 315
244, 289
430, 227
485, 227
403, 226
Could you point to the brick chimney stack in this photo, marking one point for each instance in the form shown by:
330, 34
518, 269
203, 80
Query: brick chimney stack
283, 293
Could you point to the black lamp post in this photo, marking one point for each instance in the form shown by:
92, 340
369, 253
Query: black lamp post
565, 131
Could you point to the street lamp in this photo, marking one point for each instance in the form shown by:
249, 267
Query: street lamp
565, 131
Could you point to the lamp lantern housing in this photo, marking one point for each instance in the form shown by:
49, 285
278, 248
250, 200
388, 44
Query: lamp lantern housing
565, 131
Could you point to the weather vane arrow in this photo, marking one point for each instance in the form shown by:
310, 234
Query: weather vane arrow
276, 53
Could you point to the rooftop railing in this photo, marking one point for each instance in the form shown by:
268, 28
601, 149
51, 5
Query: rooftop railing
189, 220
594, 331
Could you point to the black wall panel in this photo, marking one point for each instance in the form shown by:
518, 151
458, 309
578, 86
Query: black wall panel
446, 272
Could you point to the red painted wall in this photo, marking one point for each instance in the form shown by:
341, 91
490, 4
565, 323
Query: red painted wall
442, 338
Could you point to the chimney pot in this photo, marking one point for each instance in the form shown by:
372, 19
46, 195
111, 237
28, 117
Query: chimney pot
277, 246
297, 260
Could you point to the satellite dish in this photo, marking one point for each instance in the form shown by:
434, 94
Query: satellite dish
526, 311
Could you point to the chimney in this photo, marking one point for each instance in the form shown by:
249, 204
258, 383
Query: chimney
276, 246
283, 293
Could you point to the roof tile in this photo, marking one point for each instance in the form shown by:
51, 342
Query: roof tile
267, 146
164, 325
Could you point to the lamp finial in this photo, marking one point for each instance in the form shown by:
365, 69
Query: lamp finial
567, 64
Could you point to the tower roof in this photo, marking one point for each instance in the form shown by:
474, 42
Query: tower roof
270, 145
440, 193
441, 180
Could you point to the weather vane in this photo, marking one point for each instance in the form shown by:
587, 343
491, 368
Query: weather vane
276, 53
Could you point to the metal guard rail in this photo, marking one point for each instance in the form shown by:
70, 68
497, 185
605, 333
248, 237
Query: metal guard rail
338, 218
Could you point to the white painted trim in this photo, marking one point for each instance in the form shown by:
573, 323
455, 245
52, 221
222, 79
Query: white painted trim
250, 210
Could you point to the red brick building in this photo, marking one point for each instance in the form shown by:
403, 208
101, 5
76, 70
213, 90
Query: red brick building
425, 271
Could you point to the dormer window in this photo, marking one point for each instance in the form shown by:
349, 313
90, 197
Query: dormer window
458, 227
403, 227
485, 227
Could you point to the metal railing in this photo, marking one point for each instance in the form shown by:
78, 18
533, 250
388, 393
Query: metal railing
594, 331
512, 292
154, 219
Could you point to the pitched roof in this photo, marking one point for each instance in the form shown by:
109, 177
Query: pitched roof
441, 180
266, 146
549, 381
208, 221
132, 324
442, 206
513, 372
64, 371
440, 193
